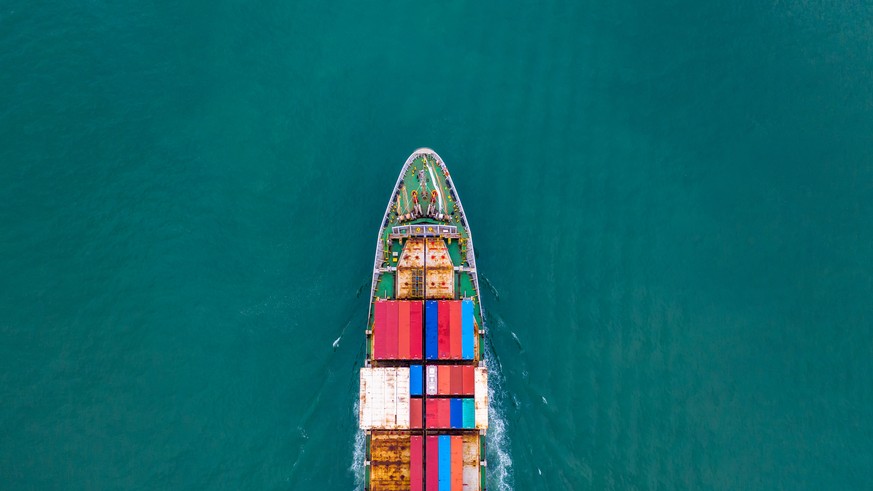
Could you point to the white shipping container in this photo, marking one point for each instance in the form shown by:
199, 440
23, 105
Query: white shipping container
431, 380
384, 398
481, 398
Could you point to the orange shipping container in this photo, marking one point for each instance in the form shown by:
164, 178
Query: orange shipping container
444, 380
457, 463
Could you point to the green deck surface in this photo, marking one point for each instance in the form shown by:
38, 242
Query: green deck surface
385, 286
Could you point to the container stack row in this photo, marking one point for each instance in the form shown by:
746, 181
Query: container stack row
442, 380
447, 332
444, 413
391, 399
397, 332
424, 463
452, 463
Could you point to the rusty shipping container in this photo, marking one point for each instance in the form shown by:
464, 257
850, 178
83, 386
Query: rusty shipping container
423, 401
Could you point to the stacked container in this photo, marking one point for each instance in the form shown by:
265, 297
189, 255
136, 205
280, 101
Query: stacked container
449, 331
397, 330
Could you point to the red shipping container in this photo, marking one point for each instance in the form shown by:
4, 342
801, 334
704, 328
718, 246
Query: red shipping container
379, 336
415, 412
457, 380
391, 331
455, 330
444, 413
444, 380
415, 331
403, 330
457, 474
416, 464
469, 380
443, 341
438, 413
433, 462
430, 413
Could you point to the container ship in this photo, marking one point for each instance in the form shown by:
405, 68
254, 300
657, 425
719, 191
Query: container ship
424, 386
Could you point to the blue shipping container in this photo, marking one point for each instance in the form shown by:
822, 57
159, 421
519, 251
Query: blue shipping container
430, 338
467, 329
415, 380
445, 463
457, 413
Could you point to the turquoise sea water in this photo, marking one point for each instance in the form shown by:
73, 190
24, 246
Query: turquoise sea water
672, 206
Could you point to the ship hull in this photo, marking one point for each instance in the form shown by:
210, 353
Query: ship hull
424, 385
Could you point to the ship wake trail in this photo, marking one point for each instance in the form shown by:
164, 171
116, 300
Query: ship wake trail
357, 467
497, 448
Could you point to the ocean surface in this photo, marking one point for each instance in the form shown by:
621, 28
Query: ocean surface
672, 206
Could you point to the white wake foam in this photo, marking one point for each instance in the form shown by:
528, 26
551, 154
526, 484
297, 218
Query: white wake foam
357, 467
497, 439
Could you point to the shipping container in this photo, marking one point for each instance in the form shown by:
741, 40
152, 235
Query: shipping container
457, 413
415, 339
384, 398
403, 330
415, 380
391, 334
432, 413
380, 339
416, 466
432, 329
455, 336
390, 461
432, 386
467, 334
471, 462
457, 385
432, 463
457, 463
469, 413
415, 412
481, 379
444, 380
445, 482
445, 413
469, 380
443, 341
